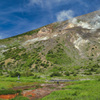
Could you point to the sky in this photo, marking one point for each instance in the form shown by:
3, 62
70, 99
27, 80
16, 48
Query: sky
19, 16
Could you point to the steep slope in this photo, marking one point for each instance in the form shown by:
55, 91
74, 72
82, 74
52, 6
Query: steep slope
75, 42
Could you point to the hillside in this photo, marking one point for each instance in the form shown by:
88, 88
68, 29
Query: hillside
57, 47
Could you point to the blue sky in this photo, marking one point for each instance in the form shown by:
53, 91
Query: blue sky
19, 16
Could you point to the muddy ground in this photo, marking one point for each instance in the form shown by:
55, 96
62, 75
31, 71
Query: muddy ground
37, 91
41, 91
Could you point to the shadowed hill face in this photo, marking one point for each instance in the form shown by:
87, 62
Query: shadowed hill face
69, 43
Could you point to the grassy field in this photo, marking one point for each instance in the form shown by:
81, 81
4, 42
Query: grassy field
20, 98
9, 82
80, 90
76, 90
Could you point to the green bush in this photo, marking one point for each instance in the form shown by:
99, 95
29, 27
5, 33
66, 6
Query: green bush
14, 74
20, 98
98, 71
72, 72
66, 98
44, 65
27, 73
55, 74
10, 91
96, 66
87, 73
67, 73
36, 77
75, 74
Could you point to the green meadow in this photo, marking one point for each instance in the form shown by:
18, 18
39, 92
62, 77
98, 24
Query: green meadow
9, 82
75, 90
80, 90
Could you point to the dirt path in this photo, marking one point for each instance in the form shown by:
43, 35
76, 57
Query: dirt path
37, 93
42, 92
23, 87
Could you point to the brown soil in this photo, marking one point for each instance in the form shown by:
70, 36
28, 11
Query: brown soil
23, 87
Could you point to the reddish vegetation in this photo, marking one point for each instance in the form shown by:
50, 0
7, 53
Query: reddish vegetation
9, 96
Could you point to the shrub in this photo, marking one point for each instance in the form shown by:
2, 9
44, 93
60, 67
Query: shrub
36, 77
10, 91
87, 73
67, 73
96, 66
2, 63
93, 69
74, 74
44, 65
20, 98
55, 74
27, 73
98, 71
66, 98
14, 74
50, 52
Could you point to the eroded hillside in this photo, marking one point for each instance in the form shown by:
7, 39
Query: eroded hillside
75, 42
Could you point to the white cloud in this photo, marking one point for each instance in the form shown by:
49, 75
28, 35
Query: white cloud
48, 3
52, 3
38, 2
24, 24
82, 3
74, 21
95, 23
63, 15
